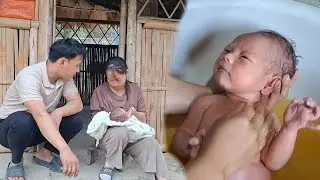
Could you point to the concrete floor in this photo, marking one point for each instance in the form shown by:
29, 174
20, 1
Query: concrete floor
79, 145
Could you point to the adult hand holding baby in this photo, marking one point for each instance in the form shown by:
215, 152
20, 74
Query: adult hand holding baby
195, 142
131, 112
246, 131
281, 88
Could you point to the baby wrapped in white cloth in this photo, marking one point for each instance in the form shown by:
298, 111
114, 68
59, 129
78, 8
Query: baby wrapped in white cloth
102, 120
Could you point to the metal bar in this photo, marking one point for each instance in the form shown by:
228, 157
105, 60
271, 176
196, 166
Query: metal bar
182, 3
75, 32
59, 32
175, 9
90, 33
164, 8
143, 7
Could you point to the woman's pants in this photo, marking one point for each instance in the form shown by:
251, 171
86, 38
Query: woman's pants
146, 152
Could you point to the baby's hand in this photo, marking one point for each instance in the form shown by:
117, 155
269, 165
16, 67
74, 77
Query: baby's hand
300, 115
195, 143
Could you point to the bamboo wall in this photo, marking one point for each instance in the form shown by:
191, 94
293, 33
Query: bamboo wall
18, 41
154, 52
22, 43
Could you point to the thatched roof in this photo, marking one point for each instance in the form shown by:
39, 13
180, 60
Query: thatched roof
83, 9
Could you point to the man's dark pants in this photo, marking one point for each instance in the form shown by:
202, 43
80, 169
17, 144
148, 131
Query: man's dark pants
19, 131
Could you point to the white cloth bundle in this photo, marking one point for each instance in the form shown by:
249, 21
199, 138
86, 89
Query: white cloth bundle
136, 129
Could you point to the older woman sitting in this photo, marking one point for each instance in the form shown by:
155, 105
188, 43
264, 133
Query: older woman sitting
117, 93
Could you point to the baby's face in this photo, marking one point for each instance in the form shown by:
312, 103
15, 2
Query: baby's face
243, 65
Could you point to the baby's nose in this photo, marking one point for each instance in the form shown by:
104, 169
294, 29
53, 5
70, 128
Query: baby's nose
229, 57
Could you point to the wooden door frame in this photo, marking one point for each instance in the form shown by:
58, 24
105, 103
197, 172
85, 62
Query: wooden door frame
149, 23
155, 95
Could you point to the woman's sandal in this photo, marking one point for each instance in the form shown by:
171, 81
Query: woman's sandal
106, 171
54, 165
15, 171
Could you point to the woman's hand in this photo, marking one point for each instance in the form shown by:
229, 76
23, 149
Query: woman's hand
281, 88
131, 111
141, 116
300, 115
234, 141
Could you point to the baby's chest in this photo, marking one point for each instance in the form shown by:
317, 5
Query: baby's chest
213, 113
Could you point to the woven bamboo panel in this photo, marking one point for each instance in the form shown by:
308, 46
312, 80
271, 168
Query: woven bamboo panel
7, 57
14, 55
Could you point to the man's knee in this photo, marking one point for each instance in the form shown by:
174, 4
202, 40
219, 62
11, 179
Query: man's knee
22, 123
78, 122
75, 122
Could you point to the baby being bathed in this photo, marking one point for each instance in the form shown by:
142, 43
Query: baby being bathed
248, 68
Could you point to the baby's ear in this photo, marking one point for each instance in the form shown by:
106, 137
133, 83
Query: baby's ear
268, 88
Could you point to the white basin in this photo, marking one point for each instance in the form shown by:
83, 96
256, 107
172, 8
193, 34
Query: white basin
208, 25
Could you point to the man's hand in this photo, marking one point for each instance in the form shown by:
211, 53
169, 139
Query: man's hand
70, 163
300, 115
236, 140
57, 116
281, 88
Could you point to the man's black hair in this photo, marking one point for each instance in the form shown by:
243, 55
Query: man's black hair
66, 48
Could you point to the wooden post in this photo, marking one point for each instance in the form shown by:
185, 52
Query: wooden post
123, 27
36, 12
138, 53
45, 28
33, 48
131, 38
54, 17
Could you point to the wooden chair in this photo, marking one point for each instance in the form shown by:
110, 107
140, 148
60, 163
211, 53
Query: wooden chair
92, 154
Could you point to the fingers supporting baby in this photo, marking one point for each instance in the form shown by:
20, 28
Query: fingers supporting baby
288, 82
294, 77
195, 143
267, 129
281, 88
275, 95
259, 116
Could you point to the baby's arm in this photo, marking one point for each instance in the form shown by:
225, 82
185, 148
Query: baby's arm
297, 116
190, 125
280, 149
